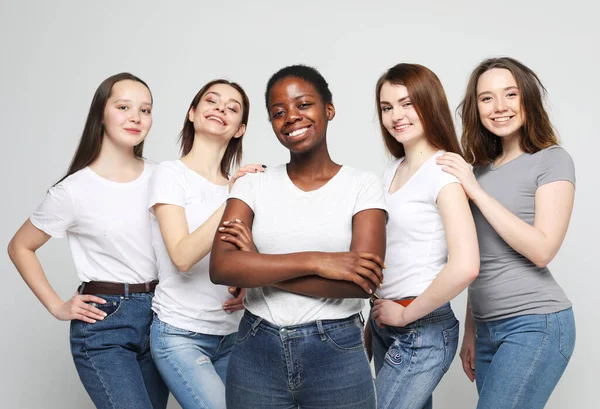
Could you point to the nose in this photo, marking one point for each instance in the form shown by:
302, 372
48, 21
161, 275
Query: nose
499, 105
398, 115
135, 116
292, 116
220, 106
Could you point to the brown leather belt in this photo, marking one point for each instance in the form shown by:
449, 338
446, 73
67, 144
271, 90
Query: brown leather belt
405, 301
103, 287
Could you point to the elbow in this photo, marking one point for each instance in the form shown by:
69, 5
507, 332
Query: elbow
469, 270
216, 273
542, 258
11, 249
181, 265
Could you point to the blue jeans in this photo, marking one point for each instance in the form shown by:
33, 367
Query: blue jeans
193, 365
113, 357
519, 360
322, 364
410, 361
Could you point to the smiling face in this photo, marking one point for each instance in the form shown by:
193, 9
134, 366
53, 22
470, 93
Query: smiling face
219, 112
298, 114
127, 114
399, 115
499, 103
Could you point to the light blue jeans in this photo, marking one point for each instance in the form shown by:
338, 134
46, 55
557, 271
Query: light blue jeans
410, 361
519, 360
318, 365
193, 365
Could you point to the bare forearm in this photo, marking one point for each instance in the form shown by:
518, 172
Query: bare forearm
28, 265
469, 321
249, 270
195, 246
519, 235
316, 286
450, 282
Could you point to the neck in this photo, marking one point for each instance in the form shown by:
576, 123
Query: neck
316, 162
115, 161
206, 156
511, 147
418, 152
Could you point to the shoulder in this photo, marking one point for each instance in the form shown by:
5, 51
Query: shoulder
555, 154
358, 175
436, 172
167, 169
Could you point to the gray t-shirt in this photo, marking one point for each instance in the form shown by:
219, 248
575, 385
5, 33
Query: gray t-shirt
509, 284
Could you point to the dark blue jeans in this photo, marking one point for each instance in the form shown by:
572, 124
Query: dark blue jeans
519, 360
113, 357
410, 361
318, 365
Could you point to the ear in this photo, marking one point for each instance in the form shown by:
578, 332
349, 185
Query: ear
191, 114
241, 130
330, 109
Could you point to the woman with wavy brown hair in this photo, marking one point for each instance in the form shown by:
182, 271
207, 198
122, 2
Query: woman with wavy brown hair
520, 329
431, 251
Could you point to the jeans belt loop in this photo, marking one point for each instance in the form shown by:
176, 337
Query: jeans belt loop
321, 331
255, 325
362, 318
81, 287
126, 290
147, 287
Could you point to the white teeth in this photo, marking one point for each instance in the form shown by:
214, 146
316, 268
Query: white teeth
401, 127
502, 119
216, 119
298, 132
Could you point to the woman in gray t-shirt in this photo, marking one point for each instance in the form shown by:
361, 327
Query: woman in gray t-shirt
520, 329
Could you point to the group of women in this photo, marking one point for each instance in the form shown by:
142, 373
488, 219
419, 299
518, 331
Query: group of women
170, 254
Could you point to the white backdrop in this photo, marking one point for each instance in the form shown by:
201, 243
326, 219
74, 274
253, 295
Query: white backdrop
55, 53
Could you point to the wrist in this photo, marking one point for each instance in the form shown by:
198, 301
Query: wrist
314, 263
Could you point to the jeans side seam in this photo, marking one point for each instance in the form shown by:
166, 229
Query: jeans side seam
181, 374
531, 367
98, 374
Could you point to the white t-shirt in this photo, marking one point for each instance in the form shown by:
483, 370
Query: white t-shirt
188, 300
416, 243
107, 225
289, 220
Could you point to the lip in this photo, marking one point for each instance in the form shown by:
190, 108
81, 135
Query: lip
134, 131
216, 118
299, 133
502, 120
402, 127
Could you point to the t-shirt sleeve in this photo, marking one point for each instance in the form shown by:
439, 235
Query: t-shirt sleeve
556, 164
441, 179
167, 186
370, 194
56, 214
244, 189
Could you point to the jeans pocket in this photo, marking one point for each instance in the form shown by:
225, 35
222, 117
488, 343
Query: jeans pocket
566, 333
171, 330
244, 330
348, 338
450, 345
110, 308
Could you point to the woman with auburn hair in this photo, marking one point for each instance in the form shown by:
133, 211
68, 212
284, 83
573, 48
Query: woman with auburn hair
431, 252
100, 205
520, 329
320, 230
196, 321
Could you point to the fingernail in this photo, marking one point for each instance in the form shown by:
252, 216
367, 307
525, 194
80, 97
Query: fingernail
238, 220
93, 321
222, 237
221, 228
103, 314
370, 291
226, 223
264, 166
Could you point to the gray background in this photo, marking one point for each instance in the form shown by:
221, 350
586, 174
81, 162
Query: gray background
55, 53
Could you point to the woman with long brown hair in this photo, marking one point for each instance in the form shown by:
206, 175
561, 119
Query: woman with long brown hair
101, 206
196, 321
520, 329
431, 252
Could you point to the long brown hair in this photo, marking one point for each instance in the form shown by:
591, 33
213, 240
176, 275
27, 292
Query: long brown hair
93, 131
430, 102
233, 153
481, 146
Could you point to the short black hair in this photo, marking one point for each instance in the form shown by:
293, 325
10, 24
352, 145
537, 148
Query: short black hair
306, 73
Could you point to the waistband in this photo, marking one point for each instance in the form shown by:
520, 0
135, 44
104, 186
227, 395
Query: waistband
318, 327
104, 287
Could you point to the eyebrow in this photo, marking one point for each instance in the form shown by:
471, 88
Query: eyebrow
230, 99
401, 100
505, 89
128, 100
295, 99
